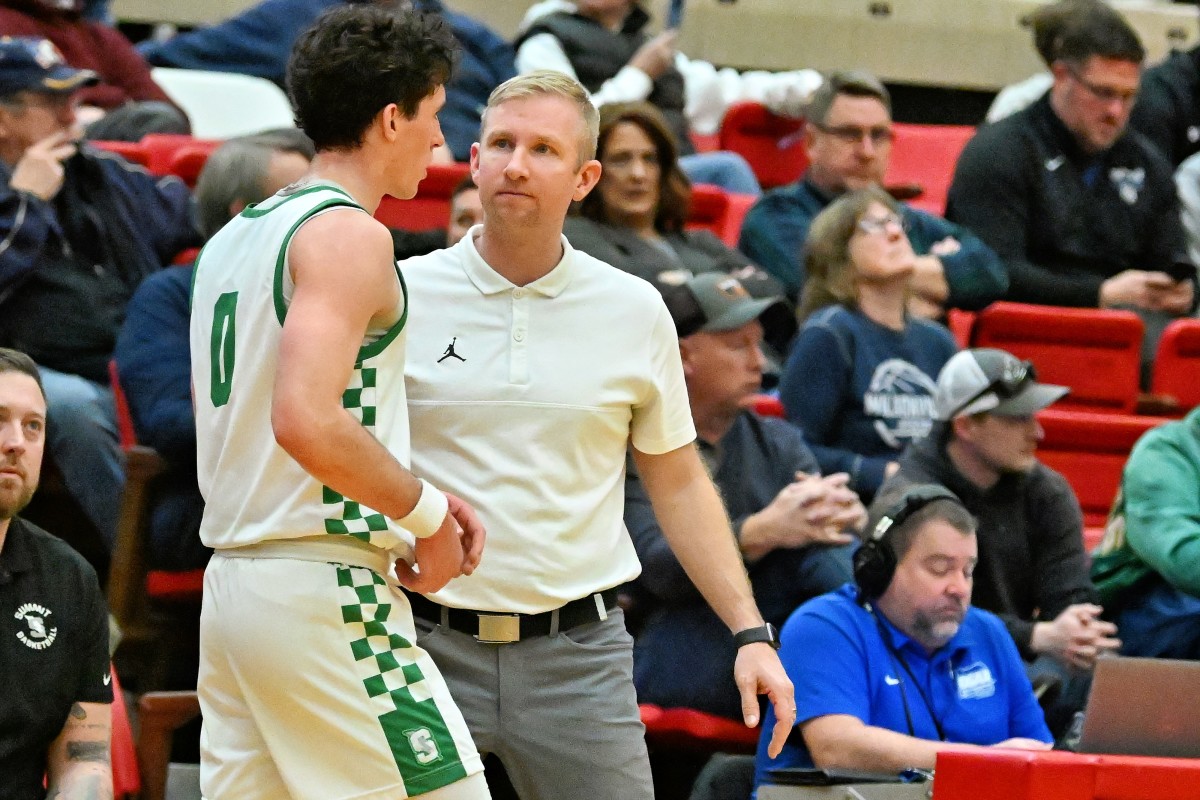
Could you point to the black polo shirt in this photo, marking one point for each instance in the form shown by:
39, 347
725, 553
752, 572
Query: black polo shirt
53, 651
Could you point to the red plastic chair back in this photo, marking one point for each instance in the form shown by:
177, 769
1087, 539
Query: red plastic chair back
1090, 450
962, 325
430, 209
767, 405
124, 417
716, 210
1177, 363
1097, 352
161, 149
188, 161
127, 780
773, 145
695, 731
133, 152
925, 155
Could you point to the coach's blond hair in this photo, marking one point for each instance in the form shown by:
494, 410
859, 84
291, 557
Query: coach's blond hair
549, 82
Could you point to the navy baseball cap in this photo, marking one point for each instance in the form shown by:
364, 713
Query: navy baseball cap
34, 64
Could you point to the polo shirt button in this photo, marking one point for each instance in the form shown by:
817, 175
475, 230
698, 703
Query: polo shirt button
518, 292
519, 336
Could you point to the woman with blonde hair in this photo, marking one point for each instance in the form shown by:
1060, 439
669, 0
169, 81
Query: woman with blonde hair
860, 378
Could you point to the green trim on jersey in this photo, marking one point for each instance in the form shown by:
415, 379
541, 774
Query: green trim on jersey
412, 723
255, 210
281, 260
376, 347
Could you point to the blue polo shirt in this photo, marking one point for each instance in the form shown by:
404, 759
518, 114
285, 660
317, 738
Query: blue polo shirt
833, 650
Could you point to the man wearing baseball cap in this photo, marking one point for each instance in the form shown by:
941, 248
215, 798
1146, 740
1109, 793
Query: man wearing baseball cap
794, 527
81, 230
1032, 568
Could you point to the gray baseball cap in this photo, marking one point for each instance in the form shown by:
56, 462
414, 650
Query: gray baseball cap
991, 380
715, 301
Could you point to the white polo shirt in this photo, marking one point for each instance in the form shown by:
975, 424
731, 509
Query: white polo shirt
522, 401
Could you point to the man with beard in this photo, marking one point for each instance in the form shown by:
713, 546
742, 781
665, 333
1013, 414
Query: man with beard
53, 624
1033, 572
898, 666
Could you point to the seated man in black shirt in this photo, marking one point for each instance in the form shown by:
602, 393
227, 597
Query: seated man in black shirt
794, 527
1082, 209
55, 714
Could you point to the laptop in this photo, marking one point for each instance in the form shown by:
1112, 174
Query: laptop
1143, 707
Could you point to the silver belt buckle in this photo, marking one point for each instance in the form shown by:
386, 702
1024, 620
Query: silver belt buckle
499, 628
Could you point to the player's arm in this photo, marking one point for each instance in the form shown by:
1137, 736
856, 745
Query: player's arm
693, 519
344, 275
78, 765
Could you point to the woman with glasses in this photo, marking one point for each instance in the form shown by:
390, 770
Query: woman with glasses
634, 218
860, 377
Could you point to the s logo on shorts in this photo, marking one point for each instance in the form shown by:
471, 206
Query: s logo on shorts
423, 746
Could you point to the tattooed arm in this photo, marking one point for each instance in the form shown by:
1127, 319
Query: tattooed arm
79, 766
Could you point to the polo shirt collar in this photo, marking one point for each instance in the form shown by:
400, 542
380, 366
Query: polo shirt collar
15, 556
488, 281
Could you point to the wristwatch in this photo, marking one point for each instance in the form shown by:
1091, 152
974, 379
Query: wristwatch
763, 633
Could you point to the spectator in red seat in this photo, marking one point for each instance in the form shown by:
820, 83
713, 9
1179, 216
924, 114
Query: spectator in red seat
634, 219
849, 141
1146, 567
125, 103
152, 350
1032, 570
1082, 210
859, 380
79, 229
794, 527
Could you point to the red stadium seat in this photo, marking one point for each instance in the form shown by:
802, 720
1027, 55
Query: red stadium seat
925, 155
766, 405
430, 209
716, 210
135, 594
773, 145
962, 325
1097, 352
189, 160
161, 149
695, 731
1177, 364
133, 152
1090, 450
127, 780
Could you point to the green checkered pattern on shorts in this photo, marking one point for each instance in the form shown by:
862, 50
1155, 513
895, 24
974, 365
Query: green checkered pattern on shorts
342, 515
421, 744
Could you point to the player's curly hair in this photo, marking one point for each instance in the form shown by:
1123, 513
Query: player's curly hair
356, 59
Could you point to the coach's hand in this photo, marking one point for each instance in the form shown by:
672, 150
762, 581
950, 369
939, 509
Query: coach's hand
439, 559
757, 671
473, 532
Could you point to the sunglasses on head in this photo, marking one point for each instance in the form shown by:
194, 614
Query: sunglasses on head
1005, 387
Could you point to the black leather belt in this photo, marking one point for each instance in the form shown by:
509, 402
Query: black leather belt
499, 628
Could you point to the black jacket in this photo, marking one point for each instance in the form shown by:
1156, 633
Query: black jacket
1031, 559
1022, 186
1168, 107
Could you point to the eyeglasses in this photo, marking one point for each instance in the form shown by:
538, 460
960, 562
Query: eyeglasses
1104, 94
852, 134
1005, 387
873, 225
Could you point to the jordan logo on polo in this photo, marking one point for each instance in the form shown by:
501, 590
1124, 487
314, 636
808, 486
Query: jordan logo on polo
450, 352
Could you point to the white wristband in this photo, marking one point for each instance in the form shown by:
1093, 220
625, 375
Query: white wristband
427, 515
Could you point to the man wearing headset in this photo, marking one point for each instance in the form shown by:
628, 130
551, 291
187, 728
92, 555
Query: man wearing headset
897, 667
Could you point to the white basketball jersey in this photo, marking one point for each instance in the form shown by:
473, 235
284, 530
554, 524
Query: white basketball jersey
253, 490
